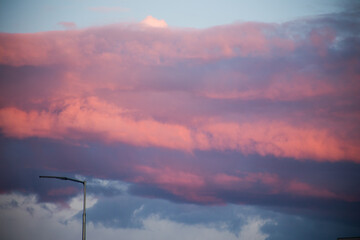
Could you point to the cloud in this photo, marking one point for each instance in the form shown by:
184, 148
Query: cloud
246, 113
208, 189
77, 118
30, 214
153, 22
68, 25
103, 123
46, 220
105, 183
185, 185
273, 182
160, 219
161, 48
62, 191
252, 230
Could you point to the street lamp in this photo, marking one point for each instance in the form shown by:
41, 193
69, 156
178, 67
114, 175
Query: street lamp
84, 209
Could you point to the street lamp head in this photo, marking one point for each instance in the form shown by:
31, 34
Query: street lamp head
64, 178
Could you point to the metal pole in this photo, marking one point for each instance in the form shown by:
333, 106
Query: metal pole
84, 214
84, 209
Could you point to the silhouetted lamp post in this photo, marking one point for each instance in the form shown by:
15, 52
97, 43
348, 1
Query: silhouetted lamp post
84, 209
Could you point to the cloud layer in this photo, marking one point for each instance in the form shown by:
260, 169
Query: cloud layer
247, 113
250, 65
53, 221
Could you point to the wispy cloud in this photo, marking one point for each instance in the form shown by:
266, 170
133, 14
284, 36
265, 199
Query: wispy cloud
68, 25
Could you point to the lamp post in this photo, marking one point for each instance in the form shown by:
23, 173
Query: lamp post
84, 209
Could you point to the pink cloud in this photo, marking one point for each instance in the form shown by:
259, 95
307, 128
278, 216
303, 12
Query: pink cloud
68, 25
135, 44
153, 22
92, 116
285, 86
303, 189
120, 83
240, 113
79, 117
39, 49
168, 176
202, 187
279, 139
274, 184
321, 39
184, 184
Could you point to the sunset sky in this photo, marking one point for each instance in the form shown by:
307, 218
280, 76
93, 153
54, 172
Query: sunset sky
188, 119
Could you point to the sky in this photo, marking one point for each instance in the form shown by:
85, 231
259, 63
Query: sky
188, 120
